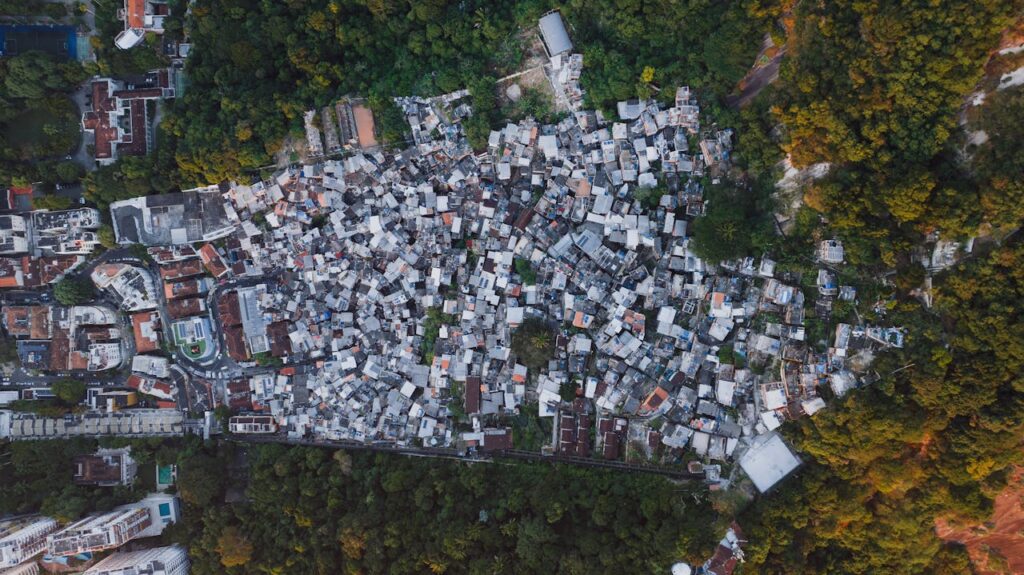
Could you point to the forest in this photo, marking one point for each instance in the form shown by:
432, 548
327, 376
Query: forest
317, 511
39, 124
936, 439
275, 509
256, 66
875, 89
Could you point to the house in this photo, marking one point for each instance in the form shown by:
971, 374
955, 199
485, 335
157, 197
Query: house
146, 331
555, 36
252, 424
105, 468
140, 16
116, 117
830, 251
212, 261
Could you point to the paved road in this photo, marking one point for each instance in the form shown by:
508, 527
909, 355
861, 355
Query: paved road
22, 297
81, 155
21, 378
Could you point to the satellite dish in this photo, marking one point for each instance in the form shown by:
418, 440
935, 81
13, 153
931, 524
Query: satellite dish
681, 569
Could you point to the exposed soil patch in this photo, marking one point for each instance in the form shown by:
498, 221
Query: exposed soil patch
531, 77
764, 71
996, 547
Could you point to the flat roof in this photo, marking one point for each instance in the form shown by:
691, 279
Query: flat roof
768, 460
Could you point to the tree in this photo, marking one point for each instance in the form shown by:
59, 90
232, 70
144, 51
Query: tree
234, 548
31, 75
51, 202
8, 349
731, 225
999, 160
69, 391
526, 271
533, 343
107, 237
69, 171
71, 290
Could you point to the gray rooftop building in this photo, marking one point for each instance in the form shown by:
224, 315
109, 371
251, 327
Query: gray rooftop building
556, 38
172, 219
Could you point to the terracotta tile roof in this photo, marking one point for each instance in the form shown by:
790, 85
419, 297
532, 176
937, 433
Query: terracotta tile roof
181, 269
181, 308
212, 260
228, 309
234, 340
99, 120
135, 13
145, 344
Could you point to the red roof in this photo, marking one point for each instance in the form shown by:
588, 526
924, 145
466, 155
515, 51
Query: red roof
99, 119
131, 141
211, 259
472, 394
135, 13
142, 343
234, 340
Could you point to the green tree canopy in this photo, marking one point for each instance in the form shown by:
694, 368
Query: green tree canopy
533, 343
70, 391
73, 290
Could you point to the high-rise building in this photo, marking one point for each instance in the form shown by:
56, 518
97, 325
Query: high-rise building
158, 561
31, 568
21, 538
146, 518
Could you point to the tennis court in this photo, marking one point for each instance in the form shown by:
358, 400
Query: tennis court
56, 40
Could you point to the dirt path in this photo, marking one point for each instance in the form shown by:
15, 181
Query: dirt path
759, 76
518, 74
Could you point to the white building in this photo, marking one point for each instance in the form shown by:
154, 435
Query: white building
157, 561
146, 518
140, 16
23, 569
65, 232
151, 365
22, 538
133, 285
831, 252
248, 424
12, 235
556, 38
131, 423
768, 460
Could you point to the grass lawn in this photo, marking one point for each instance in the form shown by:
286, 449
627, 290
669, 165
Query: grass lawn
194, 351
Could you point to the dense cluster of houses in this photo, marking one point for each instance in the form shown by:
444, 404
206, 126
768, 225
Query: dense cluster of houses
403, 276
389, 286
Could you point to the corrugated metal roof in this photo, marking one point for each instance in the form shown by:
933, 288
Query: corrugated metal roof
552, 28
